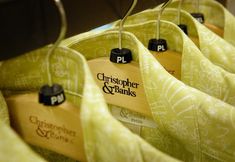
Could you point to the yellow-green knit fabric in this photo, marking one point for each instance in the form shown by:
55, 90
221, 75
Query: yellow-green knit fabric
198, 127
105, 139
216, 49
215, 13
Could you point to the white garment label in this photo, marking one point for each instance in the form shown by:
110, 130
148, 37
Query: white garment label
133, 128
131, 117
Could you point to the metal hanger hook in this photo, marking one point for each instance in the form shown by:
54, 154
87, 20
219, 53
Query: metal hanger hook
61, 36
159, 16
63, 20
198, 6
179, 11
134, 2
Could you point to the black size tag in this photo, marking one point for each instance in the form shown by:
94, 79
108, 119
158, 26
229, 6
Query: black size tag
51, 96
199, 17
121, 56
158, 45
184, 28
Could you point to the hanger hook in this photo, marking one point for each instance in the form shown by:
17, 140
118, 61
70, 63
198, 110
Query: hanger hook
179, 11
159, 16
198, 6
61, 36
63, 28
134, 2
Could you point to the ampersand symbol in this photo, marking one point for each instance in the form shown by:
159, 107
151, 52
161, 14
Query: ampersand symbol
42, 133
108, 89
124, 113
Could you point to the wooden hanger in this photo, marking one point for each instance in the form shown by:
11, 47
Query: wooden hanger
170, 60
27, 114
195, 40
215, 29
56, 128
212, 27
130, 96
119, 77
122, 69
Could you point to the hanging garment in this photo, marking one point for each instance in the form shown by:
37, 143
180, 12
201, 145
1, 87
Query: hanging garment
217, 50
89, 33
192, 125
12, 148
196, 70
214, 13
105, 139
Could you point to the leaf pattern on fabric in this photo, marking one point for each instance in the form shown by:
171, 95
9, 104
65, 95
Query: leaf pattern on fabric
216, 49
215, 13
201, 127
105, 138
196, 70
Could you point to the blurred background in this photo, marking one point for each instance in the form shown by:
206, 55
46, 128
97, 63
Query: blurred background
29, 24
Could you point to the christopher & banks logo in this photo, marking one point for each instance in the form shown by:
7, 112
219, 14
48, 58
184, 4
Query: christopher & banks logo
114, 85
50, 131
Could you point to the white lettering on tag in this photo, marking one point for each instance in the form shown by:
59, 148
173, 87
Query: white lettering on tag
200, 19
59, 99
160, 48
121, 59
53, 100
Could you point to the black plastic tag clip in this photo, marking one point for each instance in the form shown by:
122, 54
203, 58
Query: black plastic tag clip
121, 56
199, 17
158, 45
51, 96
184, 28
